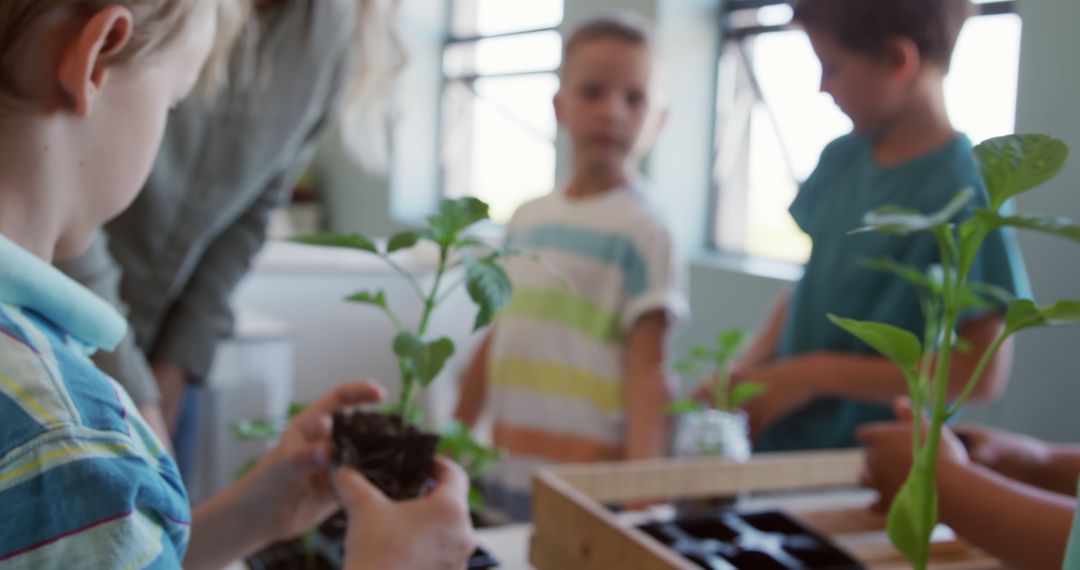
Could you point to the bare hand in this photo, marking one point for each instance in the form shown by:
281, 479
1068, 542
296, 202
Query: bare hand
889, 453
290, 486
430, 533
785, 392
1015, 456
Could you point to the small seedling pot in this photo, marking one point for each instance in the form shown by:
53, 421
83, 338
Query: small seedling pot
711, 433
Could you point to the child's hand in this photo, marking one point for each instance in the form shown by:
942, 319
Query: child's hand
430, 533
785, 392
888, 452
1015, 456
289, 489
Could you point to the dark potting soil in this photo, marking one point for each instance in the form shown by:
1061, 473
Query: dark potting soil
768, 540
396, 457
393, 454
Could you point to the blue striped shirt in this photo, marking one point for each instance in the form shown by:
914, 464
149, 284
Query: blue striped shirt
83, 481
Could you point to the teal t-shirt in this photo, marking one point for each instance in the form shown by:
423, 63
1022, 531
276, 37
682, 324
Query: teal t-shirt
846, 184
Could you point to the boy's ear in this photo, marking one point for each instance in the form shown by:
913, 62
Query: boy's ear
557, 101
84, 62
903, 58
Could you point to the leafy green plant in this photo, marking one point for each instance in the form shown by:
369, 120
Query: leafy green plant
1009, 166
420, 360
714, 360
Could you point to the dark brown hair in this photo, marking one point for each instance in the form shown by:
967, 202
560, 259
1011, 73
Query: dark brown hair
625, 27
866, 25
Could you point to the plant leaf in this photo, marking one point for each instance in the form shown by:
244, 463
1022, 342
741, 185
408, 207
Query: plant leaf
403, 240
1014, 164
255, 430
425, 360
365, 297
904, 221
687, 368
701, 353
1055, 225
898, 345
348, 241
680, 407
295, 409
453, 217
910, 523
1024, 314
488, 286
730, 341
743, 393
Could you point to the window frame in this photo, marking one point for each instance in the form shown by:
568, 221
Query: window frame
452, 40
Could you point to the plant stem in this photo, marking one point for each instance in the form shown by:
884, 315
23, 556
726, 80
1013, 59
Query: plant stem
429, 301
394, 319
980, 369
409, 277
449, 290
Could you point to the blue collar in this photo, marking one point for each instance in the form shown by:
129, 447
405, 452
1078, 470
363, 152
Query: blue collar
29, 282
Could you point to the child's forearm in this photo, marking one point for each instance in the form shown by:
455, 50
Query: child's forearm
1023, 526
648, 390
474, 386
1062, 470
764, 347
648, 428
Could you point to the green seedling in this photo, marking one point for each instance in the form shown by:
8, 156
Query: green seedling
1009, 166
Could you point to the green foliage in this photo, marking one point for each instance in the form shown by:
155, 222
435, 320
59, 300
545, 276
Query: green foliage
348, 241
488, 286
716, 359
1010, 166
420, 361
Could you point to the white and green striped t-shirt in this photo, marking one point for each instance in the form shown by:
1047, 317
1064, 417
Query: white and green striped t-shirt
557, 361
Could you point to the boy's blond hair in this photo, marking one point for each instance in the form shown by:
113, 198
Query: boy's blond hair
156, 24
624, 26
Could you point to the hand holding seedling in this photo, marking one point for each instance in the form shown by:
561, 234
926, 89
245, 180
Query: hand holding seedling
289, 488
430, 533
888, 452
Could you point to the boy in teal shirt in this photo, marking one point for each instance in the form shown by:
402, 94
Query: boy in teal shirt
884, 63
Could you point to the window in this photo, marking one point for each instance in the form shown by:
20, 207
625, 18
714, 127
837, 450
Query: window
772, 121
500, 66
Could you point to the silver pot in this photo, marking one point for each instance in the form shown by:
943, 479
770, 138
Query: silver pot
713, 433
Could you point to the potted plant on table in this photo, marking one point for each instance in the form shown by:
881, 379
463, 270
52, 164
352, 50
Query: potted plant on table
1010, 166
390, 446
719, 428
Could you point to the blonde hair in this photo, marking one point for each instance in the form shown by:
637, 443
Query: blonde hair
156, 24
379, 56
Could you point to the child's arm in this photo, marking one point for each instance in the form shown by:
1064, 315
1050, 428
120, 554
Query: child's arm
795, 382
474, 385
1038, 463
1023, 526
648, 390
764, 348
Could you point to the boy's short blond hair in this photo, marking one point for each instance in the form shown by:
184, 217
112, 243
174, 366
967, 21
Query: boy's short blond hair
625, 27
156, 24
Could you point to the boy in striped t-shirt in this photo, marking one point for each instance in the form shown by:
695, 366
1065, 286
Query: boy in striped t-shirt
84, 483
574, 367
